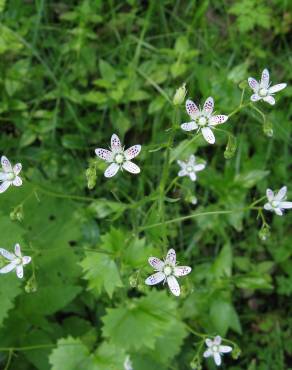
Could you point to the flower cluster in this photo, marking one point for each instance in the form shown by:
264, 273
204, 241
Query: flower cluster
202, 120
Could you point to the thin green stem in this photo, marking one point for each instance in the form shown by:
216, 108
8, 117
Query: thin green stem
9, 359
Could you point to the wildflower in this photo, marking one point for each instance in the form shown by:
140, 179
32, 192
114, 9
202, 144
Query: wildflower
276, 202
167, 271
180, 95
203, 119
215, 349
9, 175
190, 168
17, 261
118, 157
128, 364
262, 90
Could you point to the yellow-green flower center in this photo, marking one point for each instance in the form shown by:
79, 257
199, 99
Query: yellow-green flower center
119, 158
263, 92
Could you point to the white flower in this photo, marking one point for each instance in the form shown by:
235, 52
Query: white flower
167, 271
262, 90
190, 168
128, 364
276, 202
16, 261
215, 349
9, 175
118, 157
203, 119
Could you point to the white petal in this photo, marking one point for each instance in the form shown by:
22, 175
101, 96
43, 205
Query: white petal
4, 186
193, 176
276, 88
156, 278
286, 205
17, 181
208, 135
156, 263
225, 349
192, 159
132, 152
26, 260
131, 167
278, 211
116, 143
182, 173
11, 266
173, 285
217, 358
218, 119
270, 194
171, 257
17, 250
265, 78
111, 170
255, 97
281, 194
9, 256
199, 167
209, 105
209, 342
182, 270
189, 126
17, 168
191, 108
19, 271
269, 99
254, 85
6, 165
217, 340
268, 207
182, 164
104, 154
208, 353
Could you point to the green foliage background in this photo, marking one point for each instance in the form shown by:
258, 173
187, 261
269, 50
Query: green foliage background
73, 73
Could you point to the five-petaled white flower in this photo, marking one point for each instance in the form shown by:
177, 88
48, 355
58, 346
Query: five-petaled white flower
118, 157
16, 261
128, 364
262, 90
167, 271
9, 175
190, 167
215, 349
203, 119
276, 202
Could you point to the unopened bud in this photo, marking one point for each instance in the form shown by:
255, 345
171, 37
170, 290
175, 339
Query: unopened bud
230, 147
91, 176
264, 233
17, 213
180, 95
236, 352
31, 285
268, 128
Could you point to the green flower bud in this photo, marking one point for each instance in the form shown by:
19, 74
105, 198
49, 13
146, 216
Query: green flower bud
17, 213
91, 176
180, 95
264, 233
133, 281
230, 147
268, 128
236, 352
31, 285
